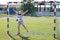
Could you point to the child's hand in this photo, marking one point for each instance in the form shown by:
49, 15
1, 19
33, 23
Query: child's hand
26, 10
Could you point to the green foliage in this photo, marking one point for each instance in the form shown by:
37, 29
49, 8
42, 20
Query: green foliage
51, 10
30, 7
24, 0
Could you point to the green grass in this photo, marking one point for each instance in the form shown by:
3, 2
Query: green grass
40, 28
2, 14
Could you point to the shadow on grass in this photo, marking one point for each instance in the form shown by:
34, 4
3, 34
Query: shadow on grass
23, 37
10, 36
58, 38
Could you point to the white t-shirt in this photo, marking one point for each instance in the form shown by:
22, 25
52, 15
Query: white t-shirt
19, 16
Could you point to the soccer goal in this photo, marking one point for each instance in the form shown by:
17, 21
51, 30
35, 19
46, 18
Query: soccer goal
45, 27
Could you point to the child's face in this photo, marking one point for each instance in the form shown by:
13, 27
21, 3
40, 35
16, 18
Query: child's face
21, 11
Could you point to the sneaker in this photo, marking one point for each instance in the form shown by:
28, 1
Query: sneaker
18, 33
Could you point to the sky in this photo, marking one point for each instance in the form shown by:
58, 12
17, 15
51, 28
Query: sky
5, 1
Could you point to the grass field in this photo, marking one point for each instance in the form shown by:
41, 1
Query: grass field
40, 28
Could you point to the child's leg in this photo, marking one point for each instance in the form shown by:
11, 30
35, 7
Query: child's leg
25, 27
18, 27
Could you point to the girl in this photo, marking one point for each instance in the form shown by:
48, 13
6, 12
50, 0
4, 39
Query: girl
20, 20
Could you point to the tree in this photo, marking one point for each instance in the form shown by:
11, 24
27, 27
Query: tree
28, 6
24, 0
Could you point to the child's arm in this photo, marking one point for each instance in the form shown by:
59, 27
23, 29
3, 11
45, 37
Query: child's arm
15, 10
25, 12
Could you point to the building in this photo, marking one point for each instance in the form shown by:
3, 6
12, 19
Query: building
3, 8
47, 9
